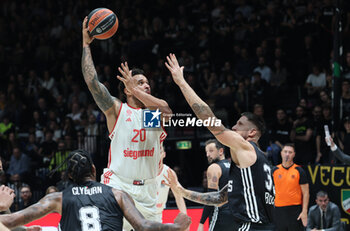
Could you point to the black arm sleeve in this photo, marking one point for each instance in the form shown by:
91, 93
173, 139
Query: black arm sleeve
207, 210
341, 156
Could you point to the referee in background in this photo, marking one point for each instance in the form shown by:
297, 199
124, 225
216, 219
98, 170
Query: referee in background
292, 193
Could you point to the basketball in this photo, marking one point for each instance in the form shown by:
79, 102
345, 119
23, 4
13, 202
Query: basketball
102, 23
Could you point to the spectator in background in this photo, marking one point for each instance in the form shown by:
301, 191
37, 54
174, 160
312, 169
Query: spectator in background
48, 147
292, 193
279, 135
51, 189
91, 135
48, 83
344, 138
58, 158
37, 124
75, 115
301, 135
42, 108
278, 75
26, 197
19, 164
56, 130
2, 172
323, 151
68, 128
258, 89
244, 65
264, 140
77, 96
61, 107
325, 100
5, 127
315, 82
325, 215
345, 98
264, 70
241, 96
346, 67
31, 148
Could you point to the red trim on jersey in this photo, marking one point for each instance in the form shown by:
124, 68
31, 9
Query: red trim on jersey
120, 109
134, 107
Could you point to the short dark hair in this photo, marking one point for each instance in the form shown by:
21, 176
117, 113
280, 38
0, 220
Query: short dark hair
121, 87
289, 145
79, 165
218, 145
258, 121
321, 194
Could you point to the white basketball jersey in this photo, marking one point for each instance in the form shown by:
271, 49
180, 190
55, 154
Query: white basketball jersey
134, 151
163, 190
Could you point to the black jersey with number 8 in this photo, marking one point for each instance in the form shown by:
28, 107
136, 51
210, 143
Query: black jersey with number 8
90, 207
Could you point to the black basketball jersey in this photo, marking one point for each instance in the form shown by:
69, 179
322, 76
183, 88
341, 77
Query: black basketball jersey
225, 172
90, 207
251, 191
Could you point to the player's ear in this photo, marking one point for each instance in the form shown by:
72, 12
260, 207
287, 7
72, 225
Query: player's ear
93, 171
252, 132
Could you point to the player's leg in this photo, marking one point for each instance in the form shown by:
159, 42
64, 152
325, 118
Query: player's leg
145, 197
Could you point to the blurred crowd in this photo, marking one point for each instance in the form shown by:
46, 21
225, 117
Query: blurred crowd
270, 57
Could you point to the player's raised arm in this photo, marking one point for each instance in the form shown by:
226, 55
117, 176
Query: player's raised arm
126, 203
107, 103
50, 203
144, 95
212, 198
241, 150
180, 202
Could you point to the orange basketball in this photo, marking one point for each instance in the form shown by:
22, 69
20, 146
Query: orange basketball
102, 23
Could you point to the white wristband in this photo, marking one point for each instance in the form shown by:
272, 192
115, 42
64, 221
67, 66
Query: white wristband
333, 148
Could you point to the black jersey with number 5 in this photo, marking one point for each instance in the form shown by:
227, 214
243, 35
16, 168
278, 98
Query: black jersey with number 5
90, 207
251, 191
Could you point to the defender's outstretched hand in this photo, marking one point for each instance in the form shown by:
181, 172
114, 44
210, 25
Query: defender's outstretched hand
173, 182
87, 38
174, 68
129, 82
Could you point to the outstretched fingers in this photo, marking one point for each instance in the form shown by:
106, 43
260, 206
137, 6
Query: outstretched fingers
124, 70
170, 61
121, 78
174, 59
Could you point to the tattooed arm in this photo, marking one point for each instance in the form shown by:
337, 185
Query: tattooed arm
50, 203
213, 176
212, 198
108, 104
242, 152
136, 219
